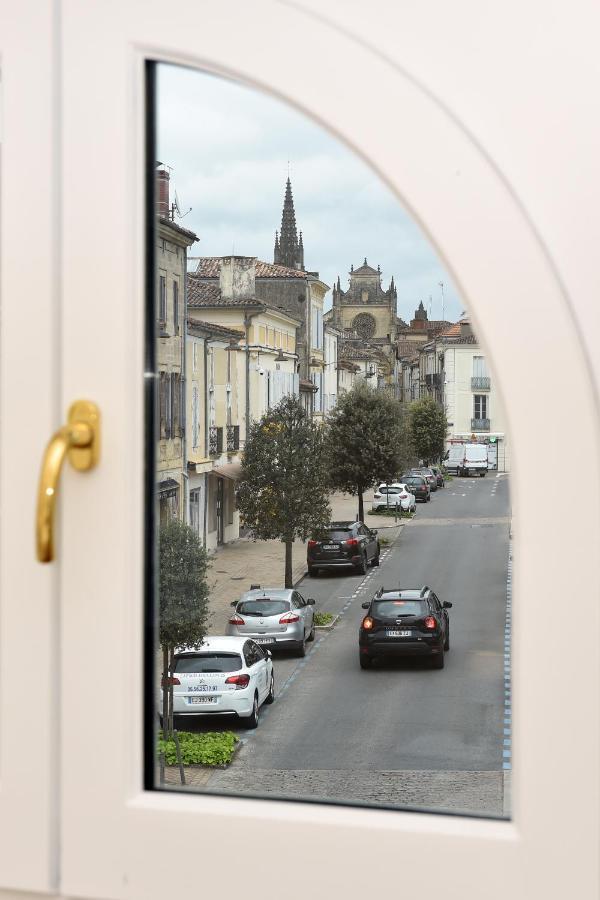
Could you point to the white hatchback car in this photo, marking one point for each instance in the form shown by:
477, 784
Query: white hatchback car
393, 495
224, 676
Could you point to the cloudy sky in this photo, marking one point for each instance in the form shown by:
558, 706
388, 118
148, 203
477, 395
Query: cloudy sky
229, 147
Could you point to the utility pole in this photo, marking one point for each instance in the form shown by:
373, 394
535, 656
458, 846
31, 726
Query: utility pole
441, 284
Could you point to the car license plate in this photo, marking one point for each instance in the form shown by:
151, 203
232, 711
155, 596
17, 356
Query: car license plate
330, 546
391, 633
197, 700
264, 640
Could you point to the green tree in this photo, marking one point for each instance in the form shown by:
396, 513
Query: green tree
368, 441
429, 426
282, 493
183, 592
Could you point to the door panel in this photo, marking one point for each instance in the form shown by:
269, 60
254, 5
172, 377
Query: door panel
29, 414
463, 203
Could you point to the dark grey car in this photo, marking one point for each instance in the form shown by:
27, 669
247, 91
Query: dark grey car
344, 545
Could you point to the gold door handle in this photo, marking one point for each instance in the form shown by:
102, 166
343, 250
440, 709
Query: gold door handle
80, 440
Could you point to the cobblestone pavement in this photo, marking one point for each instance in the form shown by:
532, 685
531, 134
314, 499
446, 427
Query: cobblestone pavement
241, 563
475, 792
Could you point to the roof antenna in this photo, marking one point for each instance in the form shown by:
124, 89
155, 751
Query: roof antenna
175, 208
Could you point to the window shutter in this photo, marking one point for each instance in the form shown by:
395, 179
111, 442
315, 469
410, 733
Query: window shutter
162, 404
182, 410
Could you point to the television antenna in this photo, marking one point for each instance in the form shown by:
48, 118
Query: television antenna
441, 284
176, 208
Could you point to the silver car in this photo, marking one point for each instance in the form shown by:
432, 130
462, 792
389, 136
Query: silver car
271, 617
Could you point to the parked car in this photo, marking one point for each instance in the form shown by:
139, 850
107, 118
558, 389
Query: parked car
439, 475
417, 485
275, 617
393, 495
230, 676
401, 622
429, 474
344, 545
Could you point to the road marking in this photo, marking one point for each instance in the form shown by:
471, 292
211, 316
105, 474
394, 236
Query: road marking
507, 741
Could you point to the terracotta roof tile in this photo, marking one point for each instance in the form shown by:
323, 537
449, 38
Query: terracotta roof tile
225, 333
210, 267
203, 293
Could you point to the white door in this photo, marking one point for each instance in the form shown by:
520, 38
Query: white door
471, 119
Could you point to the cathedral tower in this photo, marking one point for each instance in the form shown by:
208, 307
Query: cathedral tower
289, 248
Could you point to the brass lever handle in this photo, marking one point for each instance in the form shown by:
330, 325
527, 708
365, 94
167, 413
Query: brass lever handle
80, 440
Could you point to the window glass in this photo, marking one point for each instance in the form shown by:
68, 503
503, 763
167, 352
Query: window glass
208, 662
388, 608
309, 348
263, 607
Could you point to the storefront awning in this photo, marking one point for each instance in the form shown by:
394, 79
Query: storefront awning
228, 470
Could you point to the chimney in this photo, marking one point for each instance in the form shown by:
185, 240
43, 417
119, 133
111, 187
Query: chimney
237, 279
465, 328
162, 194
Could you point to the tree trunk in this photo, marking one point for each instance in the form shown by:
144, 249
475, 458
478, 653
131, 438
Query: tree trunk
361, 506
165, 690
288, 564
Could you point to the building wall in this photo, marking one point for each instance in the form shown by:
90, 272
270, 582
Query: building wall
170, 317
460, 406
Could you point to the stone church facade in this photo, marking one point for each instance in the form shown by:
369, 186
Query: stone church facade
366, 316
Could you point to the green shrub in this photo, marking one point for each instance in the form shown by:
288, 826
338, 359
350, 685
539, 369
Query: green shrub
323, 618
209, 749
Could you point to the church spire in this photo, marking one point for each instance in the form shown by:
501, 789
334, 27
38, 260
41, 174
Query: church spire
289, 251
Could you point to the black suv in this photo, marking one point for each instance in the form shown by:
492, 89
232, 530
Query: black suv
402, 622
344, 545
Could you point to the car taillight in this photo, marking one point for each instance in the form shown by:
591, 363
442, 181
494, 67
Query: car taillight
168, 681
367, 623
351, 542
240, 681
288, 618
236, 620
429, 622
312, 543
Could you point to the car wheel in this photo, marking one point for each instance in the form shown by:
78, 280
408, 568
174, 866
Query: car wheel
482, 474
301, 649
365, 661
428, 497
251, 721
271, 695
312, 571
375, 560
447, 641
437, 661
311, 635
361, 568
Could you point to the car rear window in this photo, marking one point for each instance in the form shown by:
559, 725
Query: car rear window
389, 608
209, 662
264, 607
414, 479
336, 534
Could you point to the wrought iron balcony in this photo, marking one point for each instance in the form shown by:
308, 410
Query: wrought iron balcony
480, 424
433, 380
215, 440
480, 383
233, 437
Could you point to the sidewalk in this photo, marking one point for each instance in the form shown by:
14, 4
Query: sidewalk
237, 565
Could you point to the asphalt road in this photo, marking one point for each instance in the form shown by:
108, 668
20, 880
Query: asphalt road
334, 727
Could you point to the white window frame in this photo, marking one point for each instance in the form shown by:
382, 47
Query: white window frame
443, 160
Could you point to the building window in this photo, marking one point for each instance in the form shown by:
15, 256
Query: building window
479, 367
480, 410
195, 510
195, 417
162, 299
176, 307
194, 357
317, 329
